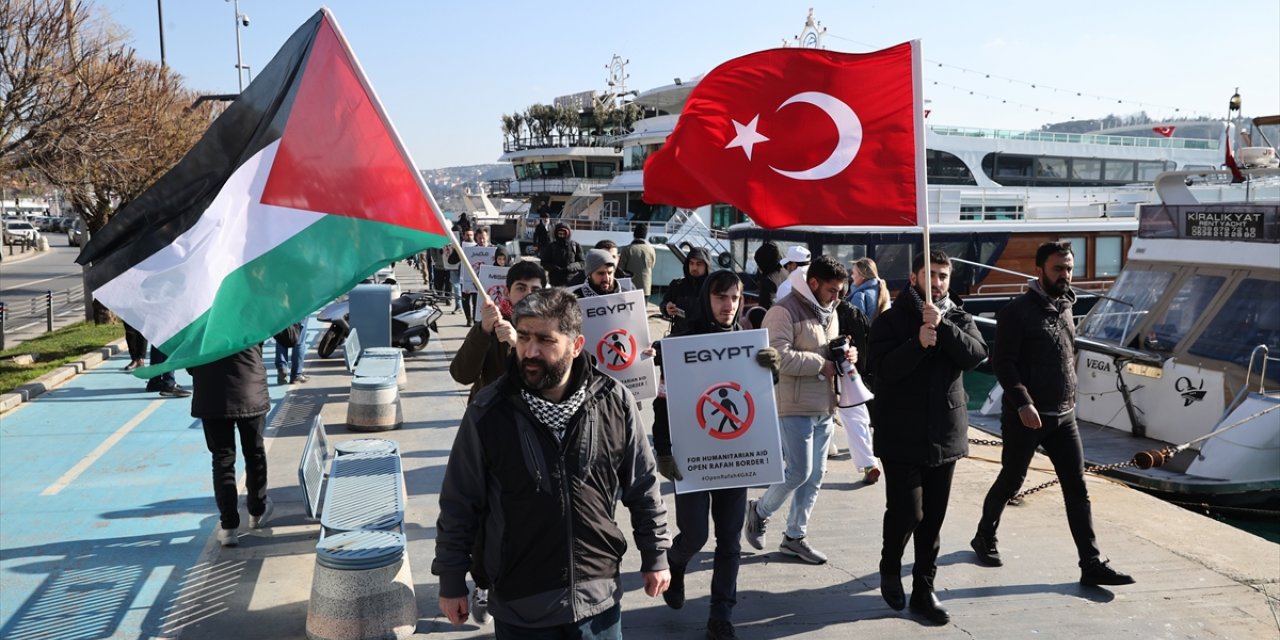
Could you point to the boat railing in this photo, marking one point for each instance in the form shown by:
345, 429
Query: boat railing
1248, 378
1077, 138
1012, 288
558, 141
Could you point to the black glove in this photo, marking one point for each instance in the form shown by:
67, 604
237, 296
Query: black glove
768, 358
667, 467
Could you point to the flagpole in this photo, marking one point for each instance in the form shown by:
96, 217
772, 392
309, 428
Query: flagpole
404, 153
922, 195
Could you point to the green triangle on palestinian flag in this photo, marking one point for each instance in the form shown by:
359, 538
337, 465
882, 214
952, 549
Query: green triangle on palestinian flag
298, 191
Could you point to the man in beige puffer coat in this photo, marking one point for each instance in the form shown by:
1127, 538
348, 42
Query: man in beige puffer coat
801, 326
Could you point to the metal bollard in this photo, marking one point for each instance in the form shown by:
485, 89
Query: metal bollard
48, 310
3, 312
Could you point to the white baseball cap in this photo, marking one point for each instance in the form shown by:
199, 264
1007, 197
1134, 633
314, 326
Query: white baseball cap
798, 255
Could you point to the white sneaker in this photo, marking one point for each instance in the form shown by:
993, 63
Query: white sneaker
256, 522
228, 537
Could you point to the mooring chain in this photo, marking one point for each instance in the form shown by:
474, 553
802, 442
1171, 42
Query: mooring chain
1096, 468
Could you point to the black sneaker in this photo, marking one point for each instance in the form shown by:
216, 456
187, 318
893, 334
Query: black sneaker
175, 392
720, 630
986, 549
1098, 572
674, 595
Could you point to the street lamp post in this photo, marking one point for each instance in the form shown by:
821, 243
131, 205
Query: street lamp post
241, 19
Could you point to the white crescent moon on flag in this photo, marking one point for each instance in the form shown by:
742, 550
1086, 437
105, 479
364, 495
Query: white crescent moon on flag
848, 136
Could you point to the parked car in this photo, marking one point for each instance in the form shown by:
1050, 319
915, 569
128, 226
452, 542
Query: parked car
16, 232
75, 232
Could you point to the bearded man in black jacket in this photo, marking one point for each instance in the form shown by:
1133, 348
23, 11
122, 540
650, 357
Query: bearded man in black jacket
919, 349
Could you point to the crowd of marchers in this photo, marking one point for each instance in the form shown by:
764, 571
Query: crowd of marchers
548, 444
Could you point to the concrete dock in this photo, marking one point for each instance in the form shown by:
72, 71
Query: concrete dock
1196, 578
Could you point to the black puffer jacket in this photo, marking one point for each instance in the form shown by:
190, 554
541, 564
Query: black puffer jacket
919, 410
230, 388
562, 258
1034, 354
683, 292
546, 506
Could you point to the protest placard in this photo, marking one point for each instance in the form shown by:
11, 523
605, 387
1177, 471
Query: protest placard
617, 331
478, 257
494, 281
721, 407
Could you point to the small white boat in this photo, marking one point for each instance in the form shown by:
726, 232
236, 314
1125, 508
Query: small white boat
1179, 365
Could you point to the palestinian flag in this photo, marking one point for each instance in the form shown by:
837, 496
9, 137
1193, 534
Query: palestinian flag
297, 192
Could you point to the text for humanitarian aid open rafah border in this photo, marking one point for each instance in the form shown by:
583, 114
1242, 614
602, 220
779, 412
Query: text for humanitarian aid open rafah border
723, 415
616, 329
478, 257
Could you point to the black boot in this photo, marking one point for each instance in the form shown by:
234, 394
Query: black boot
674, 595
985, 547
925, 603
891, 588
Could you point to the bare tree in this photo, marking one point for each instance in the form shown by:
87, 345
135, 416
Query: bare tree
55, 77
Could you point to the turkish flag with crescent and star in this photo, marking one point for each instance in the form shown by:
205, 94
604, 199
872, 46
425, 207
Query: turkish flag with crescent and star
800, 136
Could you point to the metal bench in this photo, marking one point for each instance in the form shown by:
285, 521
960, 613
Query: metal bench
362, 586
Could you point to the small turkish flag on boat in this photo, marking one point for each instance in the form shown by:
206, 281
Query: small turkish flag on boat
801, 136
1164, 131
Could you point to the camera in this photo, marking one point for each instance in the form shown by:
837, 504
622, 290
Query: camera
838, 353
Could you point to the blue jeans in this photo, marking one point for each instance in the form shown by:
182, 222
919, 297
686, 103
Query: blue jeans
294, 361
606, 625
804, 454
165, 380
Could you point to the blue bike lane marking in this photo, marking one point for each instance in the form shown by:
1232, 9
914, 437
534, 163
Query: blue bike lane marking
100, 548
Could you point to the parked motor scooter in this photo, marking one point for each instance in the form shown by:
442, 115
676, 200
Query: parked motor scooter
413, 318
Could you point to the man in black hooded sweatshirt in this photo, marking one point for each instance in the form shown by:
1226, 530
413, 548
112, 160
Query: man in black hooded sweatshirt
562, 258
681, 298
718, 302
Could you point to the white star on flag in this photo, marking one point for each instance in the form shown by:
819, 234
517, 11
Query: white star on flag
747, 136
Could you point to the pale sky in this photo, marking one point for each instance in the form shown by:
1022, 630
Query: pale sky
447, 70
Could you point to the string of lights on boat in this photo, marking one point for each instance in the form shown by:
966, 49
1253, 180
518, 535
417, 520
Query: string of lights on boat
1174, 112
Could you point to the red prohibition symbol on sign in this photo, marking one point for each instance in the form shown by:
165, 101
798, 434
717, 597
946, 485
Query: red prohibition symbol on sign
497, 293
719, 414
616, 350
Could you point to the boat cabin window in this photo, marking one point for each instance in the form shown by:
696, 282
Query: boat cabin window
1250, 317
1183, 312
1108, 252
600, 169
1116, 318
893, 261
944, 168
1080, 256
1086, 169
845, 254
1051, 168
1119, 170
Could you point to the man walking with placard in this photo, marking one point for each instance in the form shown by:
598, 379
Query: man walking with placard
801, 327
719, 303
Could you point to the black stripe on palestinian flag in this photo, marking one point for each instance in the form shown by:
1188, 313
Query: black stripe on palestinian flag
292, 226
177, 200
